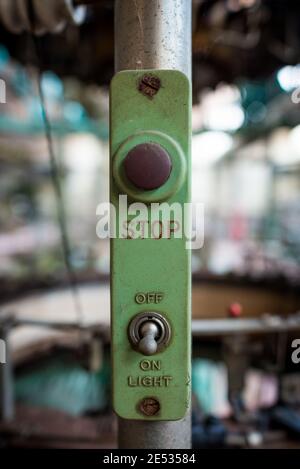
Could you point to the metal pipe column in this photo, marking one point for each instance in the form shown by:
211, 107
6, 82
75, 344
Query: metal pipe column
153, 34
7, 406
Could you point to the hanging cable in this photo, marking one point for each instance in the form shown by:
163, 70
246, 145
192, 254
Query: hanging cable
55, 177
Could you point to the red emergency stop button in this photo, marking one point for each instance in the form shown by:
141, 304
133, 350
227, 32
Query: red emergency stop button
148, 166
235, 310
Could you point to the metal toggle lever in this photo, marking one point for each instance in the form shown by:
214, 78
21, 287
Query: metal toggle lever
149, 332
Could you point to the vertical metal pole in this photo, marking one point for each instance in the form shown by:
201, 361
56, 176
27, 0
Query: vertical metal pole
153, 34
7, 407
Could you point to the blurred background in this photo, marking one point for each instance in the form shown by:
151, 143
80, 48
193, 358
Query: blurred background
55, 386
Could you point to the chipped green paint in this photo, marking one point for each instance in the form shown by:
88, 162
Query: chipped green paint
158, 270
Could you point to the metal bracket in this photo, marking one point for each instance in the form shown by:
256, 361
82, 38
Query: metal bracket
149, 274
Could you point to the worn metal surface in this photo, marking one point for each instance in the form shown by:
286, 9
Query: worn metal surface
7, 405
153, 34
160, 266
141, 33
155, 435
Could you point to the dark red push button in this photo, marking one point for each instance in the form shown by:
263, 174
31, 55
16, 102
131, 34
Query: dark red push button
148, 166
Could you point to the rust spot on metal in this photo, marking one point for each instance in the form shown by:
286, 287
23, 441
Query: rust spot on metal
149, 406
149, 85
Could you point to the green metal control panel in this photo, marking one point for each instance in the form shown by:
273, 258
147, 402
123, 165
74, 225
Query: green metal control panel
150, 129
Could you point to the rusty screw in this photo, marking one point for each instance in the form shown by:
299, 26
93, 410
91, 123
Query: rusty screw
149, 85
149, 406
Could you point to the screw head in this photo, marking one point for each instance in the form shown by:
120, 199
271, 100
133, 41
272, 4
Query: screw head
148, 166
149, 85
149, 406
